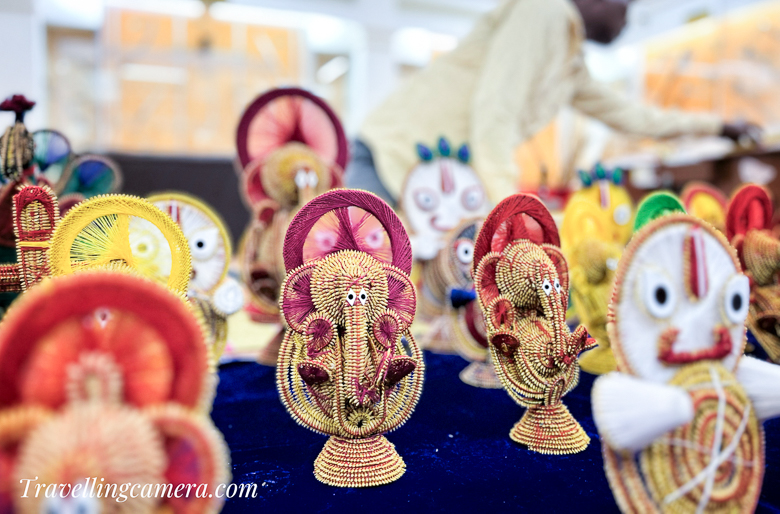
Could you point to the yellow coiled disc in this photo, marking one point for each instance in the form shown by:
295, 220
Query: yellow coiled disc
97, 234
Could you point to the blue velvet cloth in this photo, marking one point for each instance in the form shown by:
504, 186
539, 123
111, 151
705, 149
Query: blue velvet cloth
456, 447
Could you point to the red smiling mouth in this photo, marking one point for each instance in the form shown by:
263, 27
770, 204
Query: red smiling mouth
668, 355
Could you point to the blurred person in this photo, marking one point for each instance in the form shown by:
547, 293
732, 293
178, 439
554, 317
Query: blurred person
503, 83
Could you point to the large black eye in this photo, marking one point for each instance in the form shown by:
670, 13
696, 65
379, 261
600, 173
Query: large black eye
736, 299
200, 244
658, 293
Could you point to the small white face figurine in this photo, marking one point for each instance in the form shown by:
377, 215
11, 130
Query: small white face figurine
439, 193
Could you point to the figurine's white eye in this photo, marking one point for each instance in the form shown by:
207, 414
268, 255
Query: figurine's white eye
557, 285
473, 197
203, 243
736, 300
363, 297
612, 264
426, 199
313, 179
301, 179
547, 287
658, 294
464, 250
622, 214
351, 296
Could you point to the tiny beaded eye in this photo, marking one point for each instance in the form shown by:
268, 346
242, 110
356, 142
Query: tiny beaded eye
351, 296
363, 297
301, 179
557, 285
547, 286
312, 179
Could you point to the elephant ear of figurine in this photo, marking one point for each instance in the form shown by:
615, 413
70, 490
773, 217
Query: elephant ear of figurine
297, 300
656, 205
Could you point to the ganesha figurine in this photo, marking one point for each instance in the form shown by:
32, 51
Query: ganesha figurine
521, 280
292, 147
349, 366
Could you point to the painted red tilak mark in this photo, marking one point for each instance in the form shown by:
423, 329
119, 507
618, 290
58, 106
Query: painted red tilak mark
697, 263
604, 193
447, 180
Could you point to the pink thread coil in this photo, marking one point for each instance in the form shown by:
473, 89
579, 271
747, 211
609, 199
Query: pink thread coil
338, 201
297, 133
508, 221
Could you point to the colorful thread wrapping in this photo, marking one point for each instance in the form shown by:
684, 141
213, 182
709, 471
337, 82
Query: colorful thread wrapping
521, 280
35, 215
120, 391
349, 366
292, 147
678, 283
748, 227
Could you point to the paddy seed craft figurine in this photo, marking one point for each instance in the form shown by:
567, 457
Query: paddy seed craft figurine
522, 283
349, 366
680, 420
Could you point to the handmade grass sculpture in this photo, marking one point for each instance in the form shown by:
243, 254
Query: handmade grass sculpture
522, 285
596, 226
439, 193
97, 234
16, 143
104, 378
211, 291
292, 147
749, 229
447, 283
349, 366
679, 422
35, 215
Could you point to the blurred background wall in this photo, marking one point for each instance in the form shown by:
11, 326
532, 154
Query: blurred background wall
171, 77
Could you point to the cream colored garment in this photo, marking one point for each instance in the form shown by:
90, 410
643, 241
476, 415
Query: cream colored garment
504, 82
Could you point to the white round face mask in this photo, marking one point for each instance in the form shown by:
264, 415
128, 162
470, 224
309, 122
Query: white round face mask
679, 298
438, 195
207, 237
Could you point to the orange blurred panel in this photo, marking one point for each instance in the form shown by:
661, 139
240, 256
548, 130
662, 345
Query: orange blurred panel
275, 47
208, 33
139, 29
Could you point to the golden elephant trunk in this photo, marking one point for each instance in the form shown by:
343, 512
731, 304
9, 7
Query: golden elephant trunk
360, 387
555, 313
